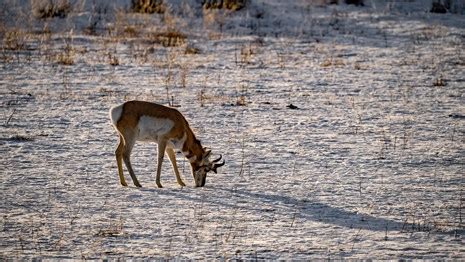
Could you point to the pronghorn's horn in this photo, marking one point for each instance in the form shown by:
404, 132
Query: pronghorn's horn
218, 159
215, 166
218, 165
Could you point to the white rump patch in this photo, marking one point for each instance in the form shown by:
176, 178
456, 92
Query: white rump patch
150, 128
115, 114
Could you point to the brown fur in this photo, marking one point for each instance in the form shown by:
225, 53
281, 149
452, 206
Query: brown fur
126, 125
134, 110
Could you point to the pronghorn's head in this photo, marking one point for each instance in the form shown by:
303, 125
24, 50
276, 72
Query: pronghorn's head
203, 166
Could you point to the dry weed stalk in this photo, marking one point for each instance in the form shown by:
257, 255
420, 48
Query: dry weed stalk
183, 75
170, 61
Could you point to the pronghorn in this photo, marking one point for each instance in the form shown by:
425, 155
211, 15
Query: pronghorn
145, 121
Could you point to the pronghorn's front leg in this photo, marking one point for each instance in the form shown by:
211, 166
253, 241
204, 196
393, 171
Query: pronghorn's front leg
172, 156
161, 152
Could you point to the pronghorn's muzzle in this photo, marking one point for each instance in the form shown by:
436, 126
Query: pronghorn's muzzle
200, 182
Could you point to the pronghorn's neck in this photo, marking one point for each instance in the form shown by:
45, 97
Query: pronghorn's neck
192, 149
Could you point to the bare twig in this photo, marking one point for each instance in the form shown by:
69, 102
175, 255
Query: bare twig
10, 117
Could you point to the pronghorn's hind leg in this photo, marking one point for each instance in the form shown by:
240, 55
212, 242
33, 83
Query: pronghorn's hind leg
119, 160
172, 156
129, 142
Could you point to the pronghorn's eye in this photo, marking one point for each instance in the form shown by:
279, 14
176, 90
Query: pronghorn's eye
205, 168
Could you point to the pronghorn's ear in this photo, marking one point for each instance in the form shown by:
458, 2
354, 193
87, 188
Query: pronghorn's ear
207, 153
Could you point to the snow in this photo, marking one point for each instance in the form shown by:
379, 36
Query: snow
368, 164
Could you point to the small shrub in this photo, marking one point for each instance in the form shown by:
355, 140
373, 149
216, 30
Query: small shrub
191, 50
327, 62
52, 8
241, 101
440, 7
14, 40
21, 138
95, 19
148, 6
130, 31
246, 54
168, 39
67, 56
65, 59
439, 81
355, 2
91, 29
348, 2
232, 5
113, 60
336, 2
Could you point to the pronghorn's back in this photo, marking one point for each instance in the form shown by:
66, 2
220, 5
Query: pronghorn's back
134, 110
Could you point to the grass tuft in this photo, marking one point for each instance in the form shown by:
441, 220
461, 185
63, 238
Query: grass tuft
232, 5
14, 40
170, 38
67, 56
52, 8
148, 6
21, 138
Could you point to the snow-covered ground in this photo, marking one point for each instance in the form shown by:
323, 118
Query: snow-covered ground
343, 130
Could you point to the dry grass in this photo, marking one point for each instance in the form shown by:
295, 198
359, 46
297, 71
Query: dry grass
439, 81
148, 6
14, 40
170, 38
191, 50
67, 56
232, 5
113, 59
51, 8
335, 62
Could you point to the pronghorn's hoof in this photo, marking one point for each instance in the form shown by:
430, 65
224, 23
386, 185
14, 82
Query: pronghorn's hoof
124, 184
137, 185
182, 184
159, 185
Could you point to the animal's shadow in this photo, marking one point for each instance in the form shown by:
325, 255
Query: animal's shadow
285, 207
310, 210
